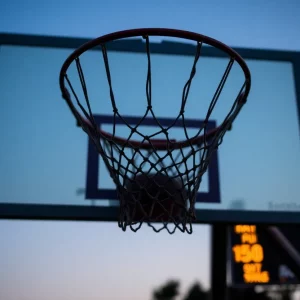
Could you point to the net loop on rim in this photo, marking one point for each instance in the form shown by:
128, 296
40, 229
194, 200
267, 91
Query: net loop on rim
157, 180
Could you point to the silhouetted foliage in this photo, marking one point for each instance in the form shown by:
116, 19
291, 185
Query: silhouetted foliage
247, 294
286, 295
168, 291
262, 296
196, 292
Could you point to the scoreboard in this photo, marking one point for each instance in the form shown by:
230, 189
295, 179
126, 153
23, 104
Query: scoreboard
255, 260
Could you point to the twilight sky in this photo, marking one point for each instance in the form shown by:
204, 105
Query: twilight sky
77, 260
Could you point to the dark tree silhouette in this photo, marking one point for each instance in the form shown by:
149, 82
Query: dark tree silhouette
287, 292
247, 294
168, 291
196, 292
286, 295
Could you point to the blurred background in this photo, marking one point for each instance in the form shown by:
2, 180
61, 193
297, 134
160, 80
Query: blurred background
80, 260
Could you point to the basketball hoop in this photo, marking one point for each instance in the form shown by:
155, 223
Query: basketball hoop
151, 186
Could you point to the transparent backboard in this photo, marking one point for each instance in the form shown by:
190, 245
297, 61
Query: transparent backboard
49, 170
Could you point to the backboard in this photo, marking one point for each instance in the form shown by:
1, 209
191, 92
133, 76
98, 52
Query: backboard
49, 170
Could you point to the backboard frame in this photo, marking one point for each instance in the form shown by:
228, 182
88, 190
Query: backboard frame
73, 212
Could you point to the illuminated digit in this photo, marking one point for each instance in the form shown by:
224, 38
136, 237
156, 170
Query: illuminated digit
257, 267
253, 238
249, 238
253, 228
237, 253
246, 228
246, 253
237, 228
257, 253
265, 278
242, 253
249, 268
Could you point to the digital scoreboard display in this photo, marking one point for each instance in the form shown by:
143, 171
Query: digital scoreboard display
255, 260
248, 255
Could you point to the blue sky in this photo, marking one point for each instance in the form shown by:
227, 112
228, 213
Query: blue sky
77, 260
